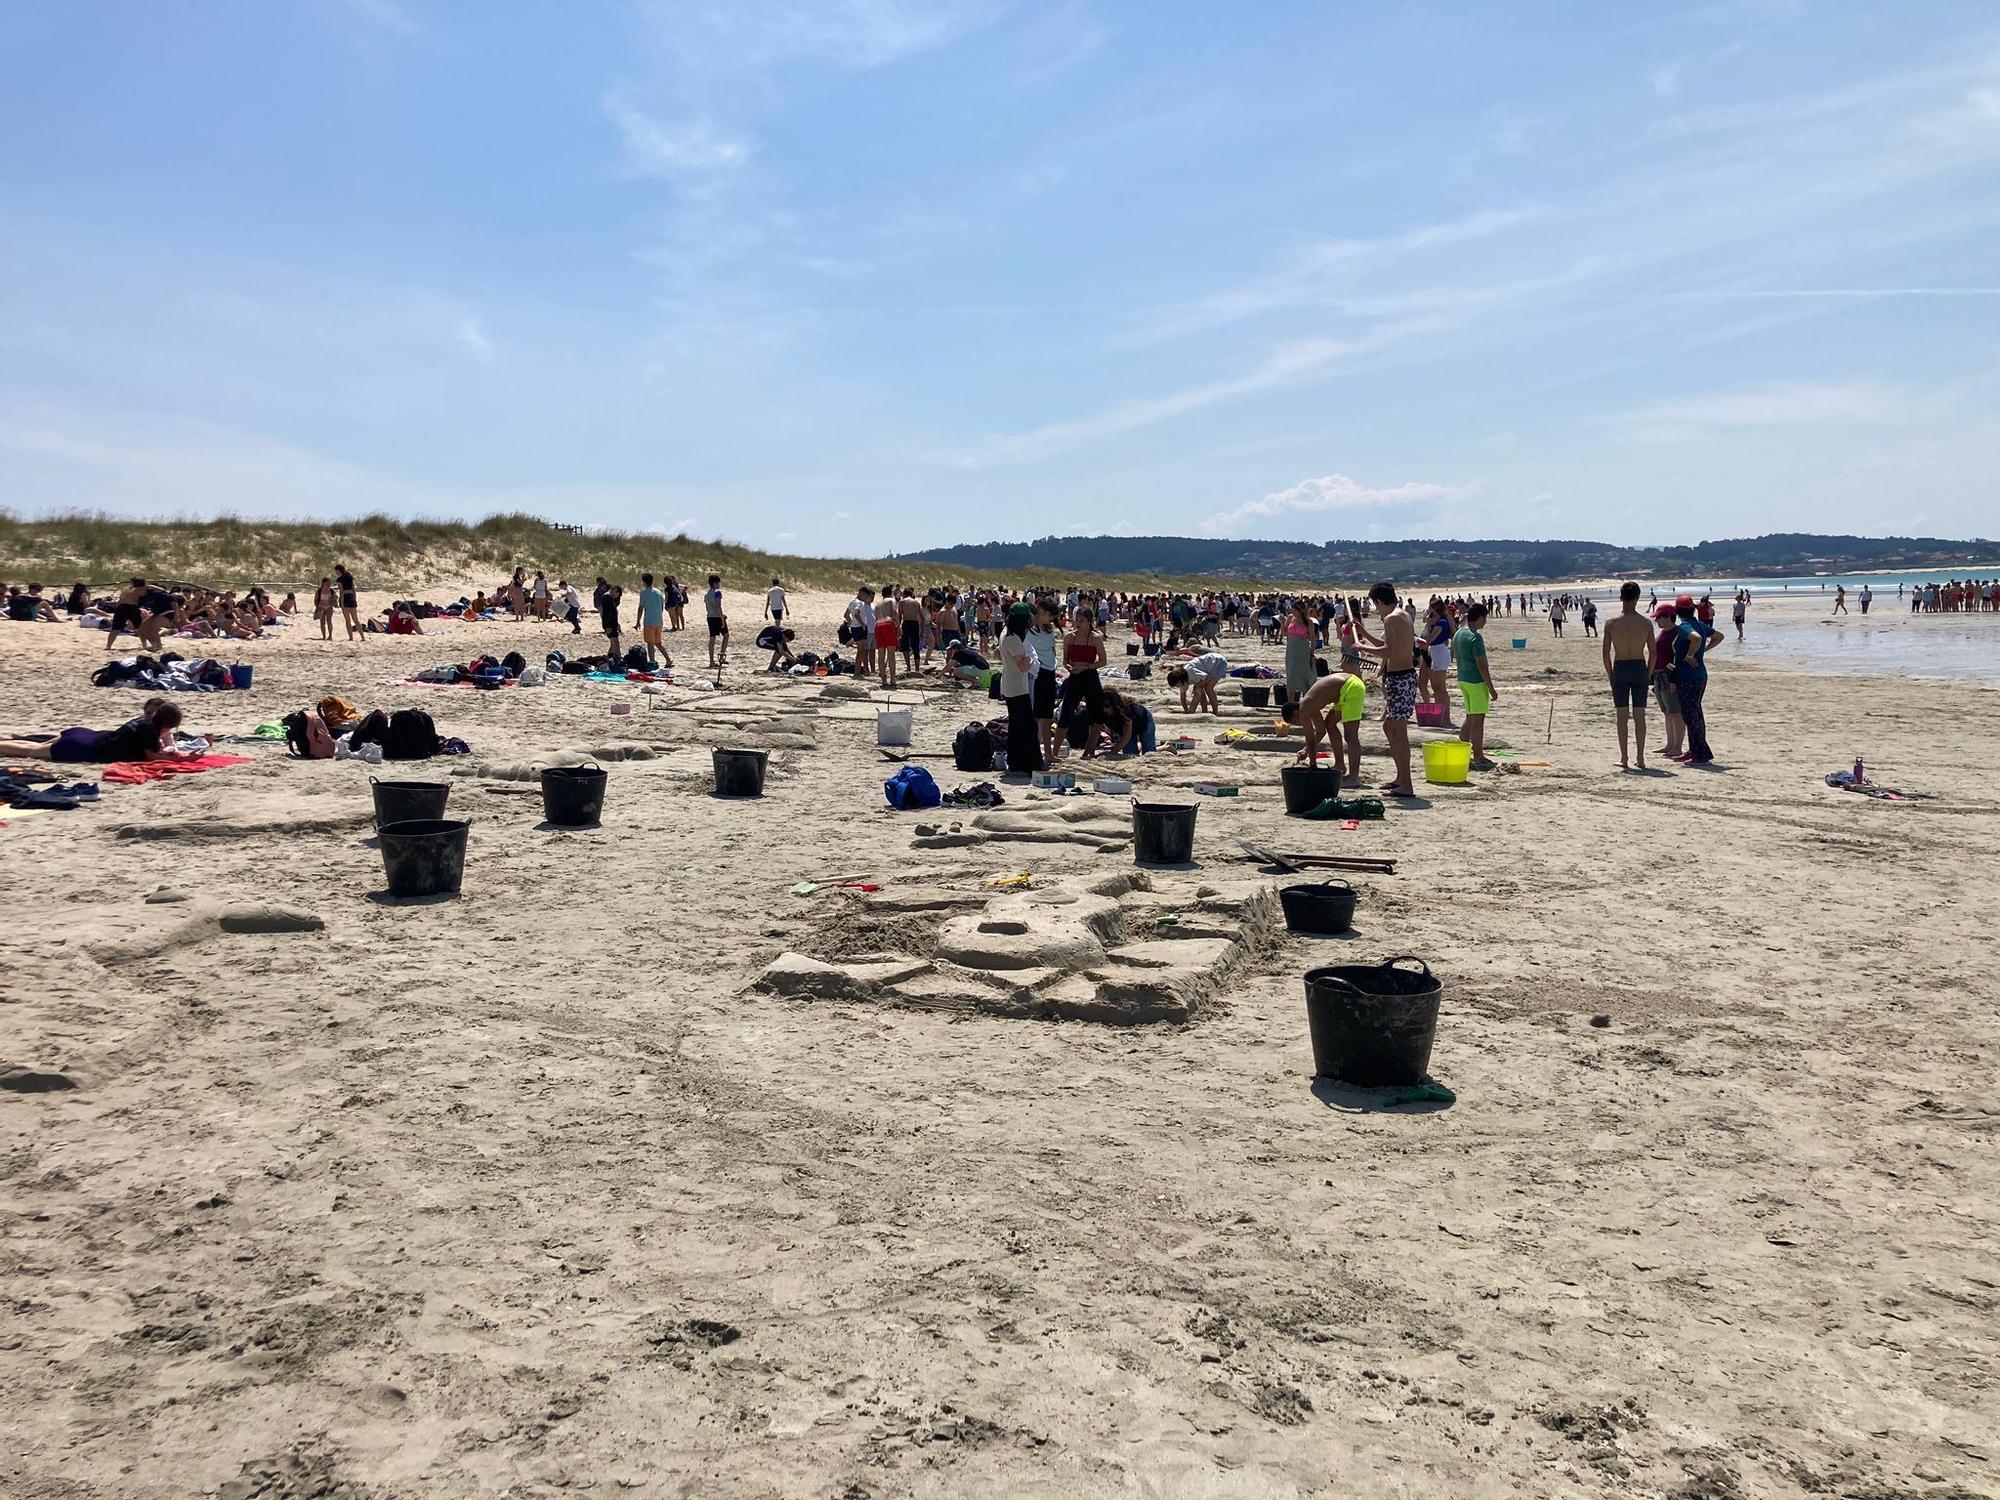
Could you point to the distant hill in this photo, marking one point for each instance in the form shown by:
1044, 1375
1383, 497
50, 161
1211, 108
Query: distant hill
1446, 562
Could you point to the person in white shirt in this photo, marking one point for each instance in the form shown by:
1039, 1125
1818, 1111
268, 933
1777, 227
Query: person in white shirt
774, 603
1042, 641
861, 629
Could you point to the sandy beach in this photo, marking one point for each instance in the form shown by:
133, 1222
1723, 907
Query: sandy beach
538, 1192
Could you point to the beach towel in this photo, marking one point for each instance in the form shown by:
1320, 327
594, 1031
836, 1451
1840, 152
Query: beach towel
138, 772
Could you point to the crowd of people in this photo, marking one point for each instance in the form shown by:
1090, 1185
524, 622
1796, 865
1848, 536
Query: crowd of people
1044, 653
1955, 596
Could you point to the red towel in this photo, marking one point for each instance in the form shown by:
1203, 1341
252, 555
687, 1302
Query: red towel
134, 772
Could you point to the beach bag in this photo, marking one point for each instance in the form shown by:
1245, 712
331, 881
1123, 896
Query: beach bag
972, 750
411, 736
513, 663
636, 659
846, 634
912, 788
307, 737
337, 711
370, 731
532, 676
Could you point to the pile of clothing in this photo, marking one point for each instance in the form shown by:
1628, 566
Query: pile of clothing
172, 673
481, 671
24, 790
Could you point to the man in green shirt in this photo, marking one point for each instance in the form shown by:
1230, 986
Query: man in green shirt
1475, 681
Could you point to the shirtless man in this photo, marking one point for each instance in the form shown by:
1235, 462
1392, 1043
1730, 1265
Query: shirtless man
1628, 662
1396, 647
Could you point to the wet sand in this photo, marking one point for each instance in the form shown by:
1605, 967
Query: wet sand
534, 1193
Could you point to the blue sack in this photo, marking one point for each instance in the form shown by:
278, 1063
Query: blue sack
912, 788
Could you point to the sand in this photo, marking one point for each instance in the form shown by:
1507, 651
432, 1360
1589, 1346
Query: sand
538, 1192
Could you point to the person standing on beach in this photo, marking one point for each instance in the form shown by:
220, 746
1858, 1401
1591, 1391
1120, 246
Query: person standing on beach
350, 600
1740, 610
1018, 669
652, 621
1556, 618
1840, 598
774, 604
1628, 656
324, 599
1396, 647
861, 629
718, 624
607, 598
1690, 645
888, 632
909, 629
1475, 681
1042, 641
538, 595
572, 605
1867, 596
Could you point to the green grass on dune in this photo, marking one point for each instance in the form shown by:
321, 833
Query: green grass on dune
390, 554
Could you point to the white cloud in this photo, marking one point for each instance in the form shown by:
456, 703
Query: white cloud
1666, 78
1329, 492
1313, 271
1286, 365
853, 34
1799, 404
474, 338
692, 149
383, 13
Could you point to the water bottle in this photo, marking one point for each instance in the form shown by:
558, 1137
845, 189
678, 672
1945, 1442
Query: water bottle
1860, 779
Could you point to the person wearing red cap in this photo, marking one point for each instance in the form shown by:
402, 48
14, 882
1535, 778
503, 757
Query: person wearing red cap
1691, 640
1664, 692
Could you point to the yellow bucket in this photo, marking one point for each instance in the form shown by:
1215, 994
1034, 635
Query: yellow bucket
1447, 761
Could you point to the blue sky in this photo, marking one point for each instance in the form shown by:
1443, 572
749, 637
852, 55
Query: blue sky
865, 275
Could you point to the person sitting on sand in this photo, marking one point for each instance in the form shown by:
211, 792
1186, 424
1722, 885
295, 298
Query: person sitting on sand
146, 737
290, 604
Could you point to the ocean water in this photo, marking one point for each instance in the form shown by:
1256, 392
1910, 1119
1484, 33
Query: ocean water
1882, 643
1818, 583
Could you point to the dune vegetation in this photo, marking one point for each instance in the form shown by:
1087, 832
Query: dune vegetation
387, 553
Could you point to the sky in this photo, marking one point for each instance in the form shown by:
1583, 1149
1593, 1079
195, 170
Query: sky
858, 276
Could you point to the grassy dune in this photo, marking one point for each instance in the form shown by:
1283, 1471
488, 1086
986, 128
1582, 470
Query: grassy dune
386, 553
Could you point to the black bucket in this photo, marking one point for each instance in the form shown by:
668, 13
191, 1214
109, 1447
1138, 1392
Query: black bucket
1139, 671
573, 796
740, 773
1308, 786
1163, 832
1282, 695
1325, 908
1256, 697
424, 856
1131, 648
408, 801
1373, 1024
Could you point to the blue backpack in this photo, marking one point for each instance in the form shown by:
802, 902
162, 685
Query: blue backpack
912, 788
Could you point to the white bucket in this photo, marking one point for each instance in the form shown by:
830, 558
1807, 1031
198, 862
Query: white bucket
892, 726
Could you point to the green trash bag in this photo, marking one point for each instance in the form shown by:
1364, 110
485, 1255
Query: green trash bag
1342, 808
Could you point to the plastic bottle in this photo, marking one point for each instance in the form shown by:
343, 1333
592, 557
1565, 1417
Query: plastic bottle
1860, 776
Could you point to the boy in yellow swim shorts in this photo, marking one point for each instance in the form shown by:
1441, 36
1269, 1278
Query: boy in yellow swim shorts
1475, 681
1340, 697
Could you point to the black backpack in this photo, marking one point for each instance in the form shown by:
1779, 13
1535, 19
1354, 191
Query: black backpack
372, 730
411, 736
972, 750
635, 659
513, 663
